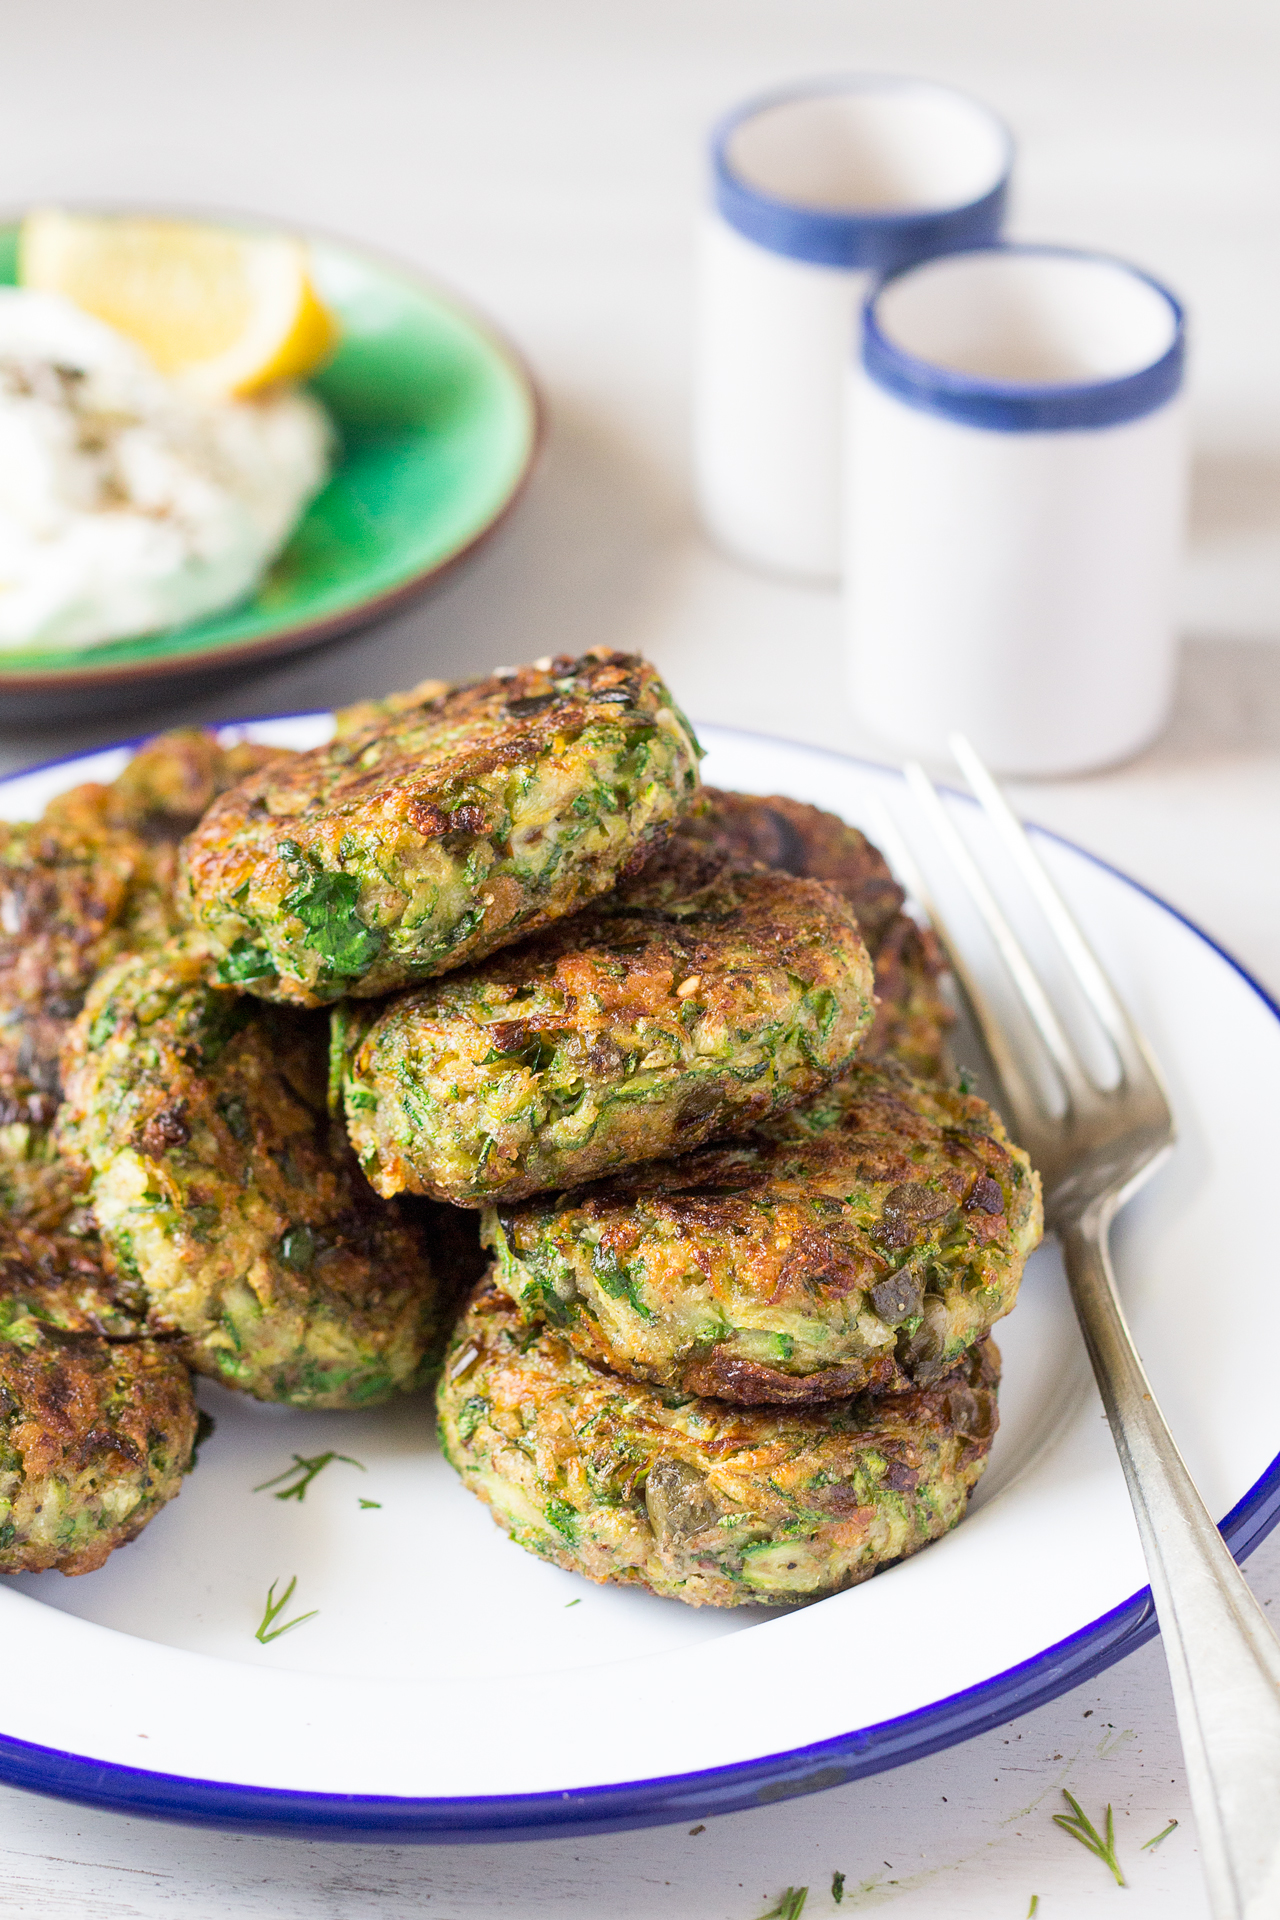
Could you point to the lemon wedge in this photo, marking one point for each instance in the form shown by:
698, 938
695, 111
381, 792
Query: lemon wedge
221, 312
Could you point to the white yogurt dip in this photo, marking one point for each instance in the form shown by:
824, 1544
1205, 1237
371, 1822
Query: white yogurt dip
126, 506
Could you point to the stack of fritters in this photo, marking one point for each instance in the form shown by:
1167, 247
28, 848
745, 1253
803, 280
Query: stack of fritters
492, 957
759, 1370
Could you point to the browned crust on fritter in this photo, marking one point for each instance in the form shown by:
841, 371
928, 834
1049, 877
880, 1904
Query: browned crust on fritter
748, 1383
93, 877
62, 1275
800, 839
658, 960
699, 1499
857, 1242
954, 1398
361, 714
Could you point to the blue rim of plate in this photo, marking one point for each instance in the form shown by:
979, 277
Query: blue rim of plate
671, 1798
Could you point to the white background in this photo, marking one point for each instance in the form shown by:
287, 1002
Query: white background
544, 156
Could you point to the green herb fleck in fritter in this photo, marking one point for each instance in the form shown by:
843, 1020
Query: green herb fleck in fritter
92, 879
159, 797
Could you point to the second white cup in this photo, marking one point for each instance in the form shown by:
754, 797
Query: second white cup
1017, 479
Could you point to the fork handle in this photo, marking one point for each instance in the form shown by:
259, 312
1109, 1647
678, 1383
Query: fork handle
1224, 1660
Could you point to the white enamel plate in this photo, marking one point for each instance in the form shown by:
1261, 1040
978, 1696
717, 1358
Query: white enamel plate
435, 1693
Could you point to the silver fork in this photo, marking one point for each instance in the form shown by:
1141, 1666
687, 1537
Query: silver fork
1093, 1154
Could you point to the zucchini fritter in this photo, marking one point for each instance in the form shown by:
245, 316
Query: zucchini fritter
859, 1243
656, 1019
63, 896
92, 879
65, 902
221, 1185
97, 1423
441, 830
796, 838
162, 793
913, 1016
694, 1500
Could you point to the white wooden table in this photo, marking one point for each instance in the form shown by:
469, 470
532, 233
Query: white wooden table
543, 156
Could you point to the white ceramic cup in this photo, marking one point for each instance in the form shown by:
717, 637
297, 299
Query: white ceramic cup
1015, 503
817, 190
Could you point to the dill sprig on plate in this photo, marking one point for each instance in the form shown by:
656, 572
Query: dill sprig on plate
1157, 1838
267, 1630
306, 1471
1078, 1824
791, 1905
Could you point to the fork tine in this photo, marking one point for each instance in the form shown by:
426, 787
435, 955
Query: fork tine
1008, 1069
1079, 1090
1076, 950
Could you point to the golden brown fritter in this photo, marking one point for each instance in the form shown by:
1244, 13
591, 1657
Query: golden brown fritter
440, 832
93, 878
800, 839
62, 899
913, 1016
663, 1016
65, 900
57, 1276
167, 787
692, 1499
97, 1423
221, 1186
866, 1245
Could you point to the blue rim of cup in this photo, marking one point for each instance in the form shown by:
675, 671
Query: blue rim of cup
1015, 406
847, 238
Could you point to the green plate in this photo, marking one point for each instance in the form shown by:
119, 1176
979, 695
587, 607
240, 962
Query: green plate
438, 421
